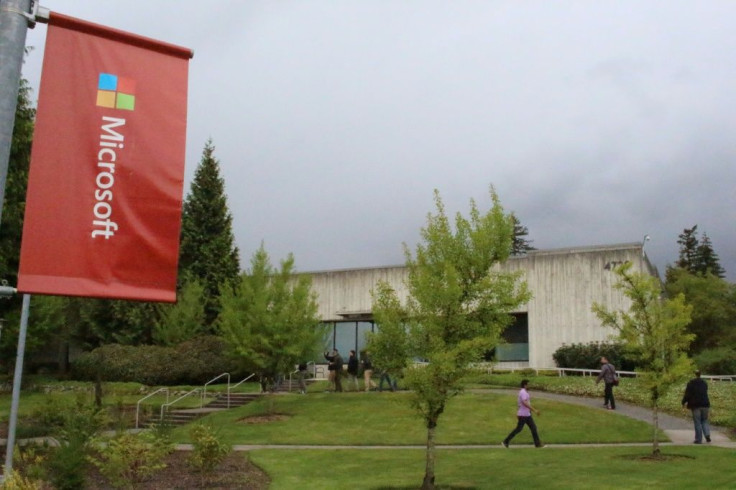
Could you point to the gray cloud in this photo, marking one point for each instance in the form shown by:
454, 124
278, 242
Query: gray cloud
597, 122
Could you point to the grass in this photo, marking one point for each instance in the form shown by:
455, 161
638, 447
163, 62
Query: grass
386, 419
471, 419
567, 468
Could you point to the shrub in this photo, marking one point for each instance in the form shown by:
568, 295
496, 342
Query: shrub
67, 465
205, 357
192, 362
16, 481
80, 421
208, 449
721, 360
588, 356
128, 459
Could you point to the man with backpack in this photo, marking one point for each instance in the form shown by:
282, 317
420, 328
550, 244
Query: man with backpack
610, 379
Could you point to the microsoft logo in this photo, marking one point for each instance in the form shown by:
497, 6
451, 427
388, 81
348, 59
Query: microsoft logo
116, 92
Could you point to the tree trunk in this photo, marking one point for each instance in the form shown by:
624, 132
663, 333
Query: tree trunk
655, 440
428, 483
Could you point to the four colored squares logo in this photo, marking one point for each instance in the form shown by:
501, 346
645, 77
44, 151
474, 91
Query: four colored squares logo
116, 92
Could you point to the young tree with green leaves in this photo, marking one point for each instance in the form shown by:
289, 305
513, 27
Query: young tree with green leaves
654, 330
208, 252
185, 319
269, 319
457, 307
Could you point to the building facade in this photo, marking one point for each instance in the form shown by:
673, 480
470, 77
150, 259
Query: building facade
564, 283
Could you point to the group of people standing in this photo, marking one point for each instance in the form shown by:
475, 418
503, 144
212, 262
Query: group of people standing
335, 370
695, 399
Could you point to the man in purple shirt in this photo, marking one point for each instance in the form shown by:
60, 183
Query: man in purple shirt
524, 416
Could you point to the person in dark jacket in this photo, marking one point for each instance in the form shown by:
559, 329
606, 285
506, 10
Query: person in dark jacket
610, 379
330, 357
353, 370
696, 399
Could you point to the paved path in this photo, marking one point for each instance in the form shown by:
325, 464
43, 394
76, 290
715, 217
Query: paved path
678, 429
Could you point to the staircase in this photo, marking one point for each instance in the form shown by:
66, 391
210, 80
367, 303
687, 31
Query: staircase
236, 400
185, 415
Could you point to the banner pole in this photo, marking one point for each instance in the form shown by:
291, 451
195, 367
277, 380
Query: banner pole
15, 17
17, 377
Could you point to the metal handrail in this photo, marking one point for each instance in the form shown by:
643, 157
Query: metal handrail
138, 405
167, 405
592, 372
204, 392
241, 382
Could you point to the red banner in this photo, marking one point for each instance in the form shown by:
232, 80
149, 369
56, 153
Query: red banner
103, 210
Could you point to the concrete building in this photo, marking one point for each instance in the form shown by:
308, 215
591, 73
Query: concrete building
564, 283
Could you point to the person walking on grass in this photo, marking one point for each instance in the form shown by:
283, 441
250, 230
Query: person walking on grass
610, 379
524, 417
696, 399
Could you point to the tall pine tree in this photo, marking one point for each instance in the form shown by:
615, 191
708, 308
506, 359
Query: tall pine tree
520, 245
707, 259
208, 252
688, 241
697, 256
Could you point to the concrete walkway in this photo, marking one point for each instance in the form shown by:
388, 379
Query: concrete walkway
679, 429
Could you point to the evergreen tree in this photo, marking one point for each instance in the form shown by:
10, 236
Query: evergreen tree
707, 261
208, 252
182, 321
688, 241
11, 226
270, 319
457, 308
520, 245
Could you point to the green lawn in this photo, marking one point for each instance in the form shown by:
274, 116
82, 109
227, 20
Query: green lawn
386, 419
549, 468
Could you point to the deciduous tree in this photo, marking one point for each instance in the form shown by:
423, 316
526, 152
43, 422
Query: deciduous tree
457, 307
654, 329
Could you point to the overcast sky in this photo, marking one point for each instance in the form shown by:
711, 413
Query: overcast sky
597, 122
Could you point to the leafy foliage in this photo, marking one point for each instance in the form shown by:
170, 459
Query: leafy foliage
270, 319
457, 307
183, 320
588, 356
208, 252
654, 330
128, 458
713, 302
192, 362
208, 450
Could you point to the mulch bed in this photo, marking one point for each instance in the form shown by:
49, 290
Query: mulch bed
236, 472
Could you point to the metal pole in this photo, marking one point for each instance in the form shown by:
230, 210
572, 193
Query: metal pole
17, 376
14, 19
